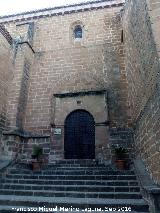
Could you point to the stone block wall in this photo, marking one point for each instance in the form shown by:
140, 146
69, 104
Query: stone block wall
142, 64
64, 64
11, 147
120, 56
147, 135
6, 75
122, 137
27, 148
154, 11
18, 91
142, 68
16, 63
23, 61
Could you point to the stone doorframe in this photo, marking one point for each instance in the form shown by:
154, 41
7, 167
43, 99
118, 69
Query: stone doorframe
95, 102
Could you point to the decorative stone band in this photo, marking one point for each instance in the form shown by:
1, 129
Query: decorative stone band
6, 34
62, 10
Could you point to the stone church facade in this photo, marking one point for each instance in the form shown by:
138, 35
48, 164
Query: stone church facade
87, 73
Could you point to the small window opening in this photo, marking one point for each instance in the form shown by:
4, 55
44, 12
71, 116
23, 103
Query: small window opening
122, 36
78, 32
79, 102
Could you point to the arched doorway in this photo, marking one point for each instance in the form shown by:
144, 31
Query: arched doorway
79, 139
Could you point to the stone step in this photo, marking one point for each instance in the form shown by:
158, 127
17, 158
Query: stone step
72, 177
80, 172
77, 161
76, 165
90, 168
92, 164
75, 194
95, 168
71, 172
75, 183
23, 165
134, 204
70, 182
86, 172
80, 188
12, 209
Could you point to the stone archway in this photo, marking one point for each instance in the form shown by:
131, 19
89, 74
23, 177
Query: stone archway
79, 137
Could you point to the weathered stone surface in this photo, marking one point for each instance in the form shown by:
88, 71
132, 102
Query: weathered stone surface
142, 66
6, 74
76, 183
118, 53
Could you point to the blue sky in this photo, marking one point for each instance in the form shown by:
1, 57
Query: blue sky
16, 6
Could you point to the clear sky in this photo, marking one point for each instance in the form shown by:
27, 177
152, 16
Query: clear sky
8, 7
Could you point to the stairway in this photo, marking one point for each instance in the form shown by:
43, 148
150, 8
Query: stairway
70, 184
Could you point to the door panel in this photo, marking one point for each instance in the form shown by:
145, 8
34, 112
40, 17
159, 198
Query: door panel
79, 136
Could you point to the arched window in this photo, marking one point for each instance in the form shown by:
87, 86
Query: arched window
78, 31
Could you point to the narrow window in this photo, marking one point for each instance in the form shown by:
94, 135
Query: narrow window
122, 36
78, 32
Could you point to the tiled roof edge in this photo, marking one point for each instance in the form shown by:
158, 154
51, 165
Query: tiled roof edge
61, 10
